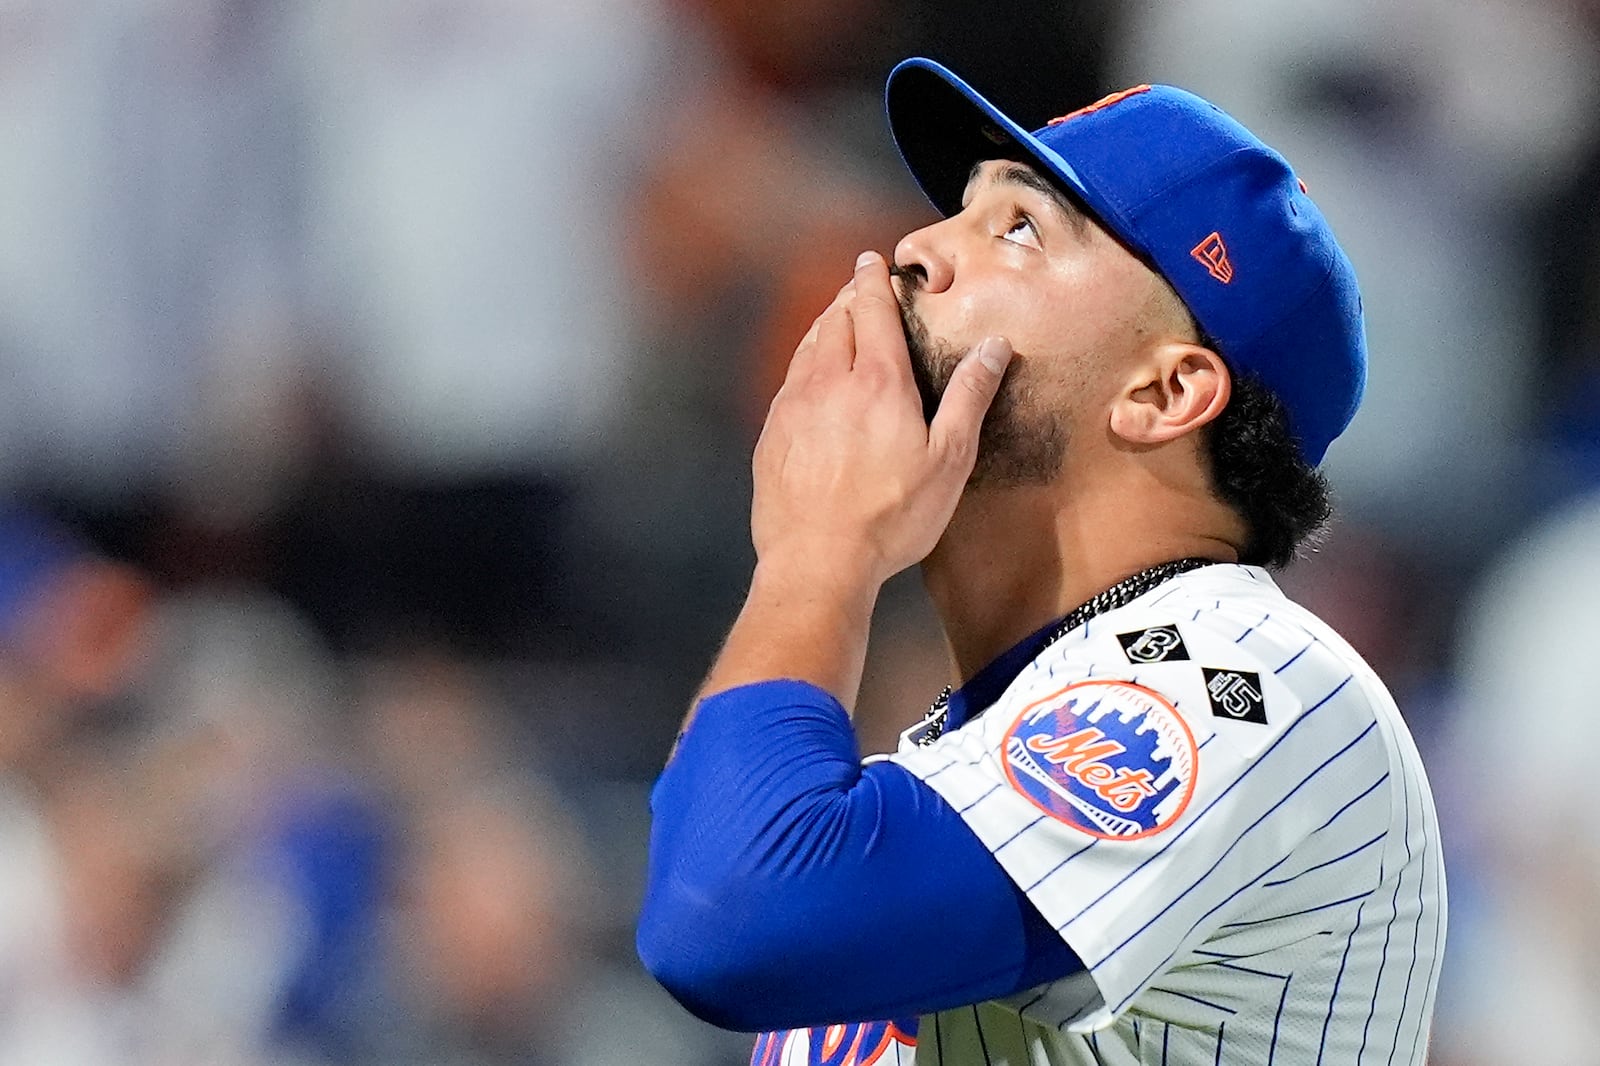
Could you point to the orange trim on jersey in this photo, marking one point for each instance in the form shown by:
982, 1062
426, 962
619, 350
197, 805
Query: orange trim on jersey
833, 1036
1104, 101
769, 1049
896, 1033
860, 1056
1212, 254
828, 1044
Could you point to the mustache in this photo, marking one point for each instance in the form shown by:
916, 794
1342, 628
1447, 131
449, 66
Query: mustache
910, 275
911, 279
1018, 445
931, 364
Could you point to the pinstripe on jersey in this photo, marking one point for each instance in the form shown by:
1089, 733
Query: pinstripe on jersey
1293, 912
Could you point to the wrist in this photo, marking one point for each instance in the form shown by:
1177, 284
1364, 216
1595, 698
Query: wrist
805, 618
818, 571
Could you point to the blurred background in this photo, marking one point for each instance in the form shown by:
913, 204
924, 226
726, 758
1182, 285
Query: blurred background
377, 385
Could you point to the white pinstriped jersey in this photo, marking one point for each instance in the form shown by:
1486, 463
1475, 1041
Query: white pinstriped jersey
1215, 802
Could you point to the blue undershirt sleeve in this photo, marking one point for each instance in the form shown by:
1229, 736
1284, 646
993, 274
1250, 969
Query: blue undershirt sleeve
789, 886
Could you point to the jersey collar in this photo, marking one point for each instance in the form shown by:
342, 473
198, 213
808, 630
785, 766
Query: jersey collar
990, 683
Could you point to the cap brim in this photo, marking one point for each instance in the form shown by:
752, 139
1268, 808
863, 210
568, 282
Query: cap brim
943, 128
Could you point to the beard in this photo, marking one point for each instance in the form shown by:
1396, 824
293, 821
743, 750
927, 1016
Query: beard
1023, 441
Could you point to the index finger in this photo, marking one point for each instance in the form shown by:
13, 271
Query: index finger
805, 359
880, 334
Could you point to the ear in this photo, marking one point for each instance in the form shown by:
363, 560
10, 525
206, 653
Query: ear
1181, 388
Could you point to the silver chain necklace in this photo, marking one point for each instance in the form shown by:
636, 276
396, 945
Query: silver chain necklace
1121, 594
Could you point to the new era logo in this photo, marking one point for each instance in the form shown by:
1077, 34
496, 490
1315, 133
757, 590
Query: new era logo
1236, 694
1158, 644
1212, 254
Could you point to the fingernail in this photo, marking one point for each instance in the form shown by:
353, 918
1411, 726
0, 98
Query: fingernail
866, 259
994, 353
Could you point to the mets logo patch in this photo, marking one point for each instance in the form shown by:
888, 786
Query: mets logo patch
1111, 758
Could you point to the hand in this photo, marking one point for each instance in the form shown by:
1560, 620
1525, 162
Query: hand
850, 481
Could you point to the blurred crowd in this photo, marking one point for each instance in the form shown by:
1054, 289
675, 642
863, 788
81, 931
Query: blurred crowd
379, 384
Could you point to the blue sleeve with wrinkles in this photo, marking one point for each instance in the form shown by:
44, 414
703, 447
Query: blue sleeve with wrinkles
789, 886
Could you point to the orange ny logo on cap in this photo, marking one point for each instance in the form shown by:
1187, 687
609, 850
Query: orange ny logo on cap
1213, 255
1104, 101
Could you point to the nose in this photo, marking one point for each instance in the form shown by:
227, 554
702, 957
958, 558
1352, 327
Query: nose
925, 252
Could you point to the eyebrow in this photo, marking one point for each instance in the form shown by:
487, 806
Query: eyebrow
1012, 173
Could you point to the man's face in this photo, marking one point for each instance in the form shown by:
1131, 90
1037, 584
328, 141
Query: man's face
1021, 261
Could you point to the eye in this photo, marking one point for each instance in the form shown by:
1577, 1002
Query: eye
1021, 229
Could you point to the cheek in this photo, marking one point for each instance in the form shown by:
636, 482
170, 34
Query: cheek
1072, 355
1074, 313
960, 320
986, 302
1055, 386
1080, 310
1049, 325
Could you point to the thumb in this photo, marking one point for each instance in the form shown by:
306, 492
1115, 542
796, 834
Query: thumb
954, 429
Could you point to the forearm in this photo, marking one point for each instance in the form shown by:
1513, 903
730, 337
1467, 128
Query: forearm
804, 619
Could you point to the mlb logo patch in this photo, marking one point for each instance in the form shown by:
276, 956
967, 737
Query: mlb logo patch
1158, 644
1236, 694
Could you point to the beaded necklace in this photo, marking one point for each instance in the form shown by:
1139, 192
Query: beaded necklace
1121, 594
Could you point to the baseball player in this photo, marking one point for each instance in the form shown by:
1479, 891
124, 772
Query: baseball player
1168, 816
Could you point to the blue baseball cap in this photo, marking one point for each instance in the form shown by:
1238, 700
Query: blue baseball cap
1199, 198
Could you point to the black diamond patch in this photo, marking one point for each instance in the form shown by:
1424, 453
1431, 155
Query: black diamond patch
1158, 644
1236, 694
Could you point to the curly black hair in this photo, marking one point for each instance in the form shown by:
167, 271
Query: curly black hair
1257, 469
